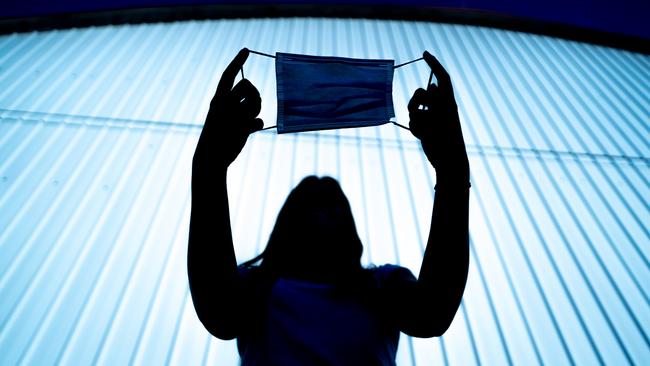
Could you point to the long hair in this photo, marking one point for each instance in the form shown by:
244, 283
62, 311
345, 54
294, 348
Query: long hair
314, 237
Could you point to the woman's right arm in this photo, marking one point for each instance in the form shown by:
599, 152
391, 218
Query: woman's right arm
211, 262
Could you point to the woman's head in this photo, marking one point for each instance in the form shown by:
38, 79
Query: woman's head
314, 236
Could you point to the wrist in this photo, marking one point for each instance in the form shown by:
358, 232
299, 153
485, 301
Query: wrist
205, 169
458, 186
452, 179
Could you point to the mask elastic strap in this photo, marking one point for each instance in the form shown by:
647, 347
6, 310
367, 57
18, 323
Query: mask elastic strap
410, 62
399, 125
242, 75
261, 53
416, 60
257, 53
428, 83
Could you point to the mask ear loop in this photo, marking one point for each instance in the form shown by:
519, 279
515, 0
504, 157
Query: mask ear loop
428, 83
406, 63
261, 53
242, 75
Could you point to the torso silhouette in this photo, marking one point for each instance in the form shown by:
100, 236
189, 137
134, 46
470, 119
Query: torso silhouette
307, 323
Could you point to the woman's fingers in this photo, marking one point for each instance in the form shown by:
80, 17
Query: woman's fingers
421, 100
247, 99
228, 76
442, 77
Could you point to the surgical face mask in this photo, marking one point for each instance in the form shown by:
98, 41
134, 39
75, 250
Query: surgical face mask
316, 93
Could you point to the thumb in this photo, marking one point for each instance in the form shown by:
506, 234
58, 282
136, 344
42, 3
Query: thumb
256, 125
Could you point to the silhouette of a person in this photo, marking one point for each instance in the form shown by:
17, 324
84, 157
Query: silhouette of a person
309, 301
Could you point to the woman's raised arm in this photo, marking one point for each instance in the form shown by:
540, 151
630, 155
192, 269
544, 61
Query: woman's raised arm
211, 262
433, 300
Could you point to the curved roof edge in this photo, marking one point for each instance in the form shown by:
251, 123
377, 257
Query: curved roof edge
396, 12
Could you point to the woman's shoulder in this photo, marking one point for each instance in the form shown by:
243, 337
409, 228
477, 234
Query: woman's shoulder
377, 276
387, 274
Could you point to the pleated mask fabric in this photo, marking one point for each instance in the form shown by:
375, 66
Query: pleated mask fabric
316, 92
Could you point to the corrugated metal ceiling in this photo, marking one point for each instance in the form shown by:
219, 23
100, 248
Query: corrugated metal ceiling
97, 130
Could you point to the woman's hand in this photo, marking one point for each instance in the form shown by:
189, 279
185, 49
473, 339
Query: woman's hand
434, 120
232, 116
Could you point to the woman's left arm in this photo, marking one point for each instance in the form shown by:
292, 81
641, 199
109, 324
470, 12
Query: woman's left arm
431, 302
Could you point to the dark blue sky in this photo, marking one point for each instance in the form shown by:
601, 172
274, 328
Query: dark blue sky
621, 16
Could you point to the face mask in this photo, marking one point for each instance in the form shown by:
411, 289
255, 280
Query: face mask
316, 93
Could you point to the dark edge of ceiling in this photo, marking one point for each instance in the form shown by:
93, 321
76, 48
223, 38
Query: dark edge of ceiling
443, 15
